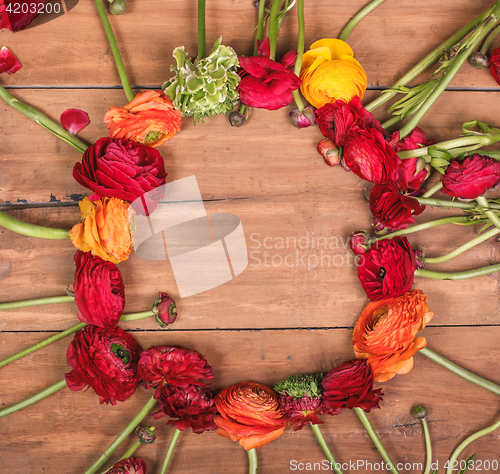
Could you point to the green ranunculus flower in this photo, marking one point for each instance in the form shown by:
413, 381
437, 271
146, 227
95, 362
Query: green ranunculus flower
205, 87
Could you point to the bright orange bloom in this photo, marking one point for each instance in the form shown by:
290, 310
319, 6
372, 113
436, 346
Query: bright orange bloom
329, 72
385, 332
150, 119
105, 230
249, 413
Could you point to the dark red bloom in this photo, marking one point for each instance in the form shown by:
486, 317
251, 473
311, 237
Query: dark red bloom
165, 310
391, 209
495, 64
99, 290
471, 177
106, 360
335, 119
193, 406
8, 62
267, 84
368, 155
299, 411
387, 269
359, 242
73, 120
173, 365
18, 21
122, 169
350, 385
129, 466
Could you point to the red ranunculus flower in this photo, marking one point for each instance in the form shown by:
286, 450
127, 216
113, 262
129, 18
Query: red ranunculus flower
471, 177
129, 466
173, 365
193, 406
387, 269
99, 290
267, 84
165, 310
300, 411
18, 21
335, 119
368, 155
249, 413
106, 360
122, 169
495, 64
350, 385
359, 242
392, 209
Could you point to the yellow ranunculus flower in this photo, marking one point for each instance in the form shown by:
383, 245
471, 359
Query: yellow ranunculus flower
329, 72
105, 230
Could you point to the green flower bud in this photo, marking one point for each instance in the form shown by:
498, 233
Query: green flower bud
299, 386
146, 434
118, 7
419, 412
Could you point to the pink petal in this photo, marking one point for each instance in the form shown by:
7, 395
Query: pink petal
8, 62
289, 59
264, 48
73, 120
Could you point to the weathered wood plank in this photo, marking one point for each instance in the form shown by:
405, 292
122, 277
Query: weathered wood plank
73, 50
68, 431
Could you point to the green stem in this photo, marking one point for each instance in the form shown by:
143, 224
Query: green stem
43, 120
202, 48
481, 140
484, 206
450, 73
37, 302
273, 28
487, 42
392, 121
428, 447
428, 60
114, 49
260, 26
433, 190
376, 440
359, 16
121, 437
463, 248
34, 399
452, 204
468, 441
300, 51
131, 450
447, 364
171, 447
252, 457
419, 227
321, 440
458, 275
67, 332
31, 230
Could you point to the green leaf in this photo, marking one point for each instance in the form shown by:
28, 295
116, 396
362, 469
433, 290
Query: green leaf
469, 461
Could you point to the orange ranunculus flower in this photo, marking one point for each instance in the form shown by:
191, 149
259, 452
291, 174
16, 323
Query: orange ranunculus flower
249, 413
105, 230
150, 119
329, 72
385, 332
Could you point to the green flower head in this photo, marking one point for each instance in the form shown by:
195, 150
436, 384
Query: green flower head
299, 386
205, 87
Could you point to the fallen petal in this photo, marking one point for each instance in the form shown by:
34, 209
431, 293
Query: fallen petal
73, 120
8, 62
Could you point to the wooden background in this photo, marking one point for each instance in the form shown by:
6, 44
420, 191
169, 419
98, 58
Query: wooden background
271, 321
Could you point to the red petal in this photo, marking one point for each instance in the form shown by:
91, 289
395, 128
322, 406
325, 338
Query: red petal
73, 120
8, 62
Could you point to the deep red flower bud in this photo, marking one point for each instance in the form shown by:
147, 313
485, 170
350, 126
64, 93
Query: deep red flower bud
299, 411
146, 434
387, 269
479, 60
472, 177
303, 119
330, 153
193, 406
350, 385
165, 310
106, 360
236, 119
495, 64
419, 257
99, 290
129, 466
391, 209
359, 242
